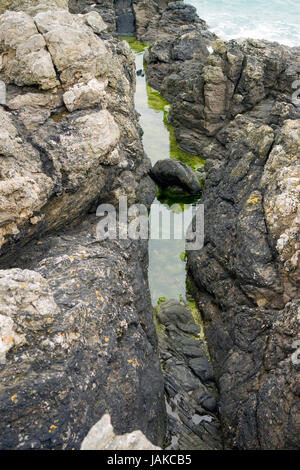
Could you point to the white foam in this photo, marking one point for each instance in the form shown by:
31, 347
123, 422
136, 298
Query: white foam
277, 21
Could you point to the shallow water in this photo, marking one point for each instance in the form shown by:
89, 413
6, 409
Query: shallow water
167, 266
278, 20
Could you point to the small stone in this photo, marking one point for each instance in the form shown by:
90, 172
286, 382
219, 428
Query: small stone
171, 173
102, 437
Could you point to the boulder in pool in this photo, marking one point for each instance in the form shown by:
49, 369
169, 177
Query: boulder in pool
178, 176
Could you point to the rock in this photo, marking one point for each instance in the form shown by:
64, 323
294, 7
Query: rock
202, 368
206, 400
77, 337
94, 20
102, 437
78, 340
234, 107
85, 96
105, 8
148, 20
69, 128
125, 18
33, 6
208, 91
246, 278
178, 176
191, 397
172, 312
154, 23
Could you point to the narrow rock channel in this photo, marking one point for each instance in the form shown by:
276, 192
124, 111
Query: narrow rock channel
191, 394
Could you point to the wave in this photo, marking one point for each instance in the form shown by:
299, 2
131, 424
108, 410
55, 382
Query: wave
259, 19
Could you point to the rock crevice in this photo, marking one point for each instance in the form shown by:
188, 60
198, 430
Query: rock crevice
77, 337
234, 107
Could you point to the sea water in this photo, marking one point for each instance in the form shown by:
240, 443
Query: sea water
275, 20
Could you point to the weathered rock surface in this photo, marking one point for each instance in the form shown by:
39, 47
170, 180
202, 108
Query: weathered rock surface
77, 340
236, 110
177, 176
154, 23
247, 281
189, 381
33, 6
148, 20
102, 437
69, 133
208, 91
106, 9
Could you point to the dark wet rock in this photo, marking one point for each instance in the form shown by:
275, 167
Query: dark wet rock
83, 342
178, 176
208, 91
154, 23
172, 312
235, 108
202, 368
191, 401
206, 400
106, 8
77, 338
246, 278
125, 17
148, 20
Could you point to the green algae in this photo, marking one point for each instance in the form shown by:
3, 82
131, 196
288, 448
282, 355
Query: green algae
170, 198
194, 161
158, 326
192, 308
135, 45
159, 104
167, 268
155, 99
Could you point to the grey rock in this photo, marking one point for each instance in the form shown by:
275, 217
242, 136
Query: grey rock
171, 173
102, 437
69, 133
154, 23
106, 9
234, 107
191, 401
77, 337
207, 400
246, 279
33, 6
148, 20
208, 91
172, 312
246, 276
78, 341
125, 18
202, 368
